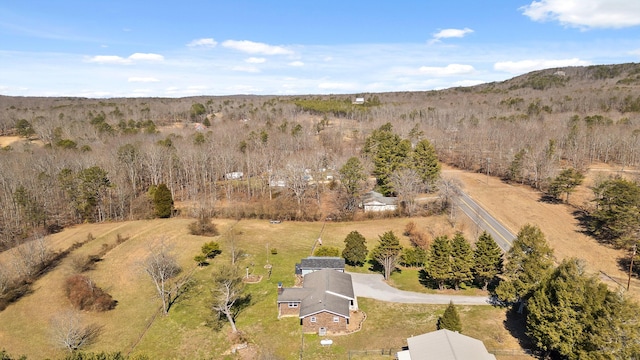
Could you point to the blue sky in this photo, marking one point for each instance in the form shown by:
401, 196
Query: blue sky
132, 48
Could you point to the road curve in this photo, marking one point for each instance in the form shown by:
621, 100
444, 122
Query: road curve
501, 235
373, 286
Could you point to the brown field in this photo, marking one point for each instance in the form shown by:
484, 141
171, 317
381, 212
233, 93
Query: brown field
25, 325
516, 205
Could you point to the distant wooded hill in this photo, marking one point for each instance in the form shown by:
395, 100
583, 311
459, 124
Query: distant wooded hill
96, 159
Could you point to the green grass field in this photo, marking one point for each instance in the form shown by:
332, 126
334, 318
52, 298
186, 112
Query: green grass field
135, 327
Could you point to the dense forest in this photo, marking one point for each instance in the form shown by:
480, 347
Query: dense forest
93, 160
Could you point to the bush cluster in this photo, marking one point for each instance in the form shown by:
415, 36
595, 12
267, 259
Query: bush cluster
84, 294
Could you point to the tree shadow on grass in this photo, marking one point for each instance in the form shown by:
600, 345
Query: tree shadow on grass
241, 304
375, 266
625, 262
546, 198
584, 221
515, 323
425, 280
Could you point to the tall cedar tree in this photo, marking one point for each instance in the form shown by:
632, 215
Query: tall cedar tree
576, 316
617, 216
162, 201
387, 252
439, 259
565, 183
388, 152
355, 249
450, 320
425, 162
461, 260
488, 260
529, 262
352, 177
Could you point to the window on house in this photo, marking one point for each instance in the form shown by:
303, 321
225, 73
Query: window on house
293, 304
313, 319
336, 319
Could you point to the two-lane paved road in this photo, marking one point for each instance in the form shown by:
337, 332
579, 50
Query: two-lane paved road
501, 235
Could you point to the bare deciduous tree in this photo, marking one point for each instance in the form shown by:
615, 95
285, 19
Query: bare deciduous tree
69, 332
31, 257
406, 183
162, 266
227, 289
449, 190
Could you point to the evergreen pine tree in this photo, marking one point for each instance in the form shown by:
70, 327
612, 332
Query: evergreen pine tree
425, 162
162, 201
439, 259
387, 252
450, 320
461, 260
487, 260
576, 316
529, 262
355, 249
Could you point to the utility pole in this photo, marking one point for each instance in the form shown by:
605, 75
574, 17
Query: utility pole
633, 255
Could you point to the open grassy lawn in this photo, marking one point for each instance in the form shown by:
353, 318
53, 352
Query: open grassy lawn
187, 333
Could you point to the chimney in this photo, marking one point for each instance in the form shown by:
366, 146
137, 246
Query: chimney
280, 289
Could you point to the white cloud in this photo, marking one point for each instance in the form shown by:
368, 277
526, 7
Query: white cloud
256, 47
296, 63
249, 69
451, 33
586, 13
109, 59
255, 60
205, 42
524, 66
146, 57
114, 59
142, 79
449, 70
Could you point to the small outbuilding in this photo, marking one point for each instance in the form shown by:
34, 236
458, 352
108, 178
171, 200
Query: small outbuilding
316, 263
444, 345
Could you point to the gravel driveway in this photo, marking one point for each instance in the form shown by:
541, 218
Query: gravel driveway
373, 286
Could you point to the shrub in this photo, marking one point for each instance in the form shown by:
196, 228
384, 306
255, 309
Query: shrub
203, 227
328, 251
84, 294
211, 249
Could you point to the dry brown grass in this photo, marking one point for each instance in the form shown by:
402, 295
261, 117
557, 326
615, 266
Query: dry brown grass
516, 205
119, 273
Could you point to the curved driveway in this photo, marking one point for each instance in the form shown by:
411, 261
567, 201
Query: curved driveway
373, 286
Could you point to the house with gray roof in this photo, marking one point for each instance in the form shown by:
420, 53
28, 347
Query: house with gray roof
315, 263
444, 345
323, 304
374, 201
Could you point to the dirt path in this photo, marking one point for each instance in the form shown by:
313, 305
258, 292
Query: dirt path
516, 206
